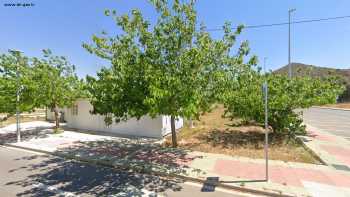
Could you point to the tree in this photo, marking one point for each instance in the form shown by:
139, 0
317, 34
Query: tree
9, 83
284, 96
171, 68
58, 82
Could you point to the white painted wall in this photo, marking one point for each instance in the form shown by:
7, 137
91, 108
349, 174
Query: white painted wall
167, 126
146, 126
51, 114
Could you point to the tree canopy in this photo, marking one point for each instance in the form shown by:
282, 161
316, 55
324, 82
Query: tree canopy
42, 82
10, 63
169, 68
58, 82
245, 98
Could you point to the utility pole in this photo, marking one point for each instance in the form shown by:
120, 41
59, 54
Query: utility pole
265, 91
18, 58
289, 21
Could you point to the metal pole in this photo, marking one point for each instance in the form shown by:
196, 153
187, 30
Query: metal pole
289, 67
289, 58
265, 88
17, 102
17, 55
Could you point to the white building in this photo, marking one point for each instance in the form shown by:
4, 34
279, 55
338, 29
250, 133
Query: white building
79, 117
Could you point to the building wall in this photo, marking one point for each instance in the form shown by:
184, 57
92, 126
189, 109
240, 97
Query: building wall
146, 126
167, 126
50, 115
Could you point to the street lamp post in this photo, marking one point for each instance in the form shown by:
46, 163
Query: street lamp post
17, 55
266, 147
289, 65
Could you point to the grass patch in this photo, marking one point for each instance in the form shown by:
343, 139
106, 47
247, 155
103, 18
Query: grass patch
217, 134
58, 130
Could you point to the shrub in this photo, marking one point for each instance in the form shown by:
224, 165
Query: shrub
285, 95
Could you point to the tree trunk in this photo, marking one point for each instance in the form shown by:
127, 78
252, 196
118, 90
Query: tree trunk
191, 123
57, 121
173, 131
46, 113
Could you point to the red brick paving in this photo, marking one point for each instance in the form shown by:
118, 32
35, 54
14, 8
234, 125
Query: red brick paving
282, 175
342, 154
322, 137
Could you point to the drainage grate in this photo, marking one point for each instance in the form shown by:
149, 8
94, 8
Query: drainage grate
341, 167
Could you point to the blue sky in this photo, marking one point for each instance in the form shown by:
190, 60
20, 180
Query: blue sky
64, 25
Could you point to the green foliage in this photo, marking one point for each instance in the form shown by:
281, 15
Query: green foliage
10, 83
58, 82
59, 85
47, 82
171, 68
284, 96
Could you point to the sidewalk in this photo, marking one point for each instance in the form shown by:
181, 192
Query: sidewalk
332, 149
143, 155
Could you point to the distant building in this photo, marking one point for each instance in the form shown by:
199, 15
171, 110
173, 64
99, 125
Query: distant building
79, 117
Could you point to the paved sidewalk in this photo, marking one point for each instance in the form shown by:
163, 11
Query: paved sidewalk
144, 155
332, 149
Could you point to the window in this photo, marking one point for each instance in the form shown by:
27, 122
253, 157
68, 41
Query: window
75, 110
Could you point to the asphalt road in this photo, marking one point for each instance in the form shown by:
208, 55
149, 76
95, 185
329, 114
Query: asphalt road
330, 120
24, 173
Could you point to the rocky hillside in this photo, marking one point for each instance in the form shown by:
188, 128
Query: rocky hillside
300, 69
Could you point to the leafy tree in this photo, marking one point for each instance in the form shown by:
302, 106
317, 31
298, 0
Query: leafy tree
58, 82
284, 96
10, 83
170, 68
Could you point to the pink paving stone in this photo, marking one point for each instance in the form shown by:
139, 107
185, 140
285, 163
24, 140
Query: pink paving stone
312, 175
322, 137
244, 170
282, 175
285, 176
238, 169
338, 179
342, 154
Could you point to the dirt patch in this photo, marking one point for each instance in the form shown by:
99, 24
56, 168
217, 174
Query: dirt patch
217, 134
12, 120
339, 105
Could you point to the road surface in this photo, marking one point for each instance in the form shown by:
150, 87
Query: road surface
330, 120
24, 173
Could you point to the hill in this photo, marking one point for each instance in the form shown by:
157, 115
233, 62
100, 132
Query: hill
299, 69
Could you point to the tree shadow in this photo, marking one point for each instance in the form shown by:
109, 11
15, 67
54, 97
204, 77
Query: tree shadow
28, 134
86, 179
136, 154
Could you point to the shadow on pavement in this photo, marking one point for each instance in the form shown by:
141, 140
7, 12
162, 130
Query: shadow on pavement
137, 154
31, 133
80, 178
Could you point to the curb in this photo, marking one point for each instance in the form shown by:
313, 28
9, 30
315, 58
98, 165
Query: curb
332, 108
163, 174
309, 150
